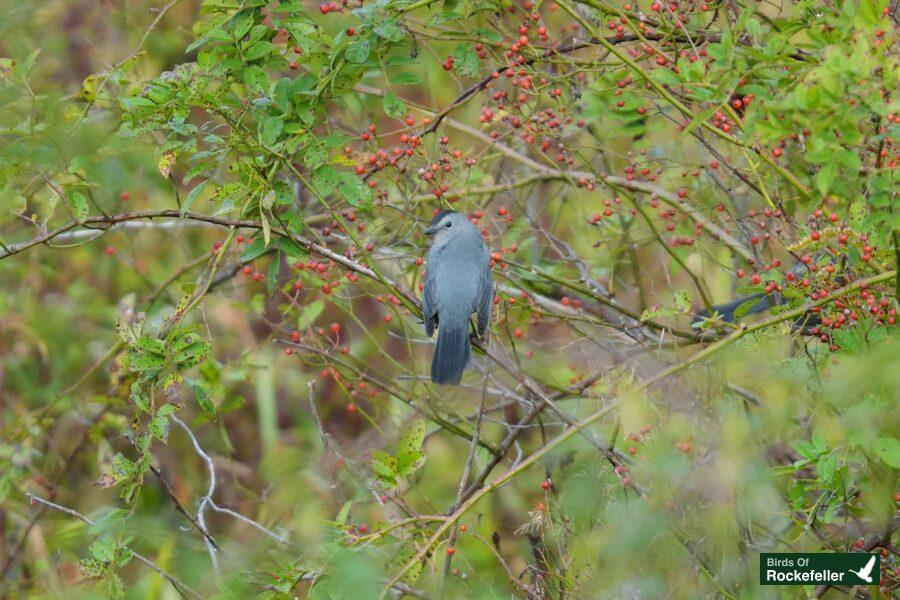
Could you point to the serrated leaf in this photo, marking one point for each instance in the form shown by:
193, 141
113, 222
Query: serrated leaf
259, 50
115, 588
412, 437
325, 179
404, 556
254, 250
79, 205
390, 30
806, 449
465, 60
159, 427
193, 355
257, 79
355, 190
358, 51
122, 467
102, 550
166, 409
270, 129
204, 400
826, 468
409, 462
665, 76
145, 362
393, 105
126, 334
138, 397
314, 157
149, 345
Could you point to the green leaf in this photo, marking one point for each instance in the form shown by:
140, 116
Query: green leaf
465, 60
159, 427
149, 345
325, 179
195, 193
406, 79
358, 51
384, 467
665, 76
355, 190
266, 227
393, 106
203, 399
79, 205
270, 129
314, 157
138, 397
268, 201
699, 120
254, 250
272, 276
145, 362
258, 50
826, 468
825, 177
403, 557
807, 449
390, 30
409, 453
193, 355
257, 79
122, 467
309, 314
412, 437
344, 513
888, 450
488, 35
103, 550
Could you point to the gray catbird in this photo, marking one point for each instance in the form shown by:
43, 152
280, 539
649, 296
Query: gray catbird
457, 283
758, 302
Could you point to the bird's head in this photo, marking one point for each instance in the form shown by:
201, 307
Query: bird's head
448, 224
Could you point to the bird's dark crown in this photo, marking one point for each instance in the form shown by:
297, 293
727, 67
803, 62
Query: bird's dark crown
437, 218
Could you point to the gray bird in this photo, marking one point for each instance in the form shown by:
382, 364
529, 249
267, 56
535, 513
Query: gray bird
457, 284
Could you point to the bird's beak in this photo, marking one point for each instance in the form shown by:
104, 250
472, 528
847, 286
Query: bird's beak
431, 231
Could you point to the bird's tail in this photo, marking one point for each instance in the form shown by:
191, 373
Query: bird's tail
451, 354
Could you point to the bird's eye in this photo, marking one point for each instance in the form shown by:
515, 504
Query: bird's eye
449, 223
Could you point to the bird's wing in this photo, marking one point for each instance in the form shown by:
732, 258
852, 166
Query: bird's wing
868, 568
485, 295
429, 303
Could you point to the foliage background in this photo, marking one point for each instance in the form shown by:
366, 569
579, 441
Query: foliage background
696, 152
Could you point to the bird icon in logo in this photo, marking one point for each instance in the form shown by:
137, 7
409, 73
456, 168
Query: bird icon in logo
866, 572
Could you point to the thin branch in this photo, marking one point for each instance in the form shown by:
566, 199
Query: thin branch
183, 590
603, 411
207, 499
